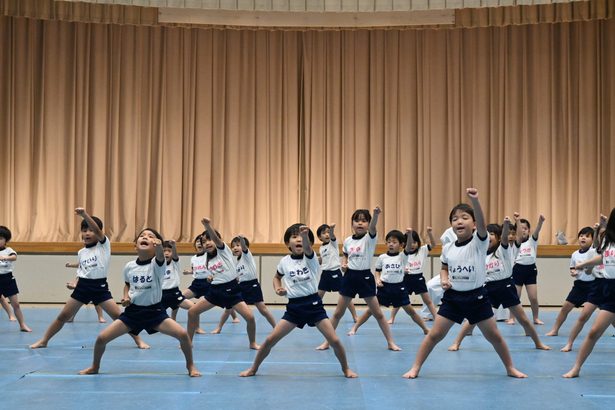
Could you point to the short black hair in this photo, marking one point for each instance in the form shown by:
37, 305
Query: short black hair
85, 225
588, 230
5, 233
321, 229
167, 245
205, 235
295, 229
237, 239
359, 213
416, 238
525, 221
495, 229
197, 239
463, 208
396, 234
155, 232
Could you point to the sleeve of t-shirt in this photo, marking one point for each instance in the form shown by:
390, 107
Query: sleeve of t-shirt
443, 256
312, 263
379, 263
125, 274
280, 268
106, 245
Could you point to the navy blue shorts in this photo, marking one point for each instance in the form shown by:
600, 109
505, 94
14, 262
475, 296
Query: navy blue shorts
199, 287
330, 280
139, 318
91, 290
502, 292
608, 295
225, 295
8, 285
393, 294
595, 296
472, 304
525, 274
579, 292
306, 310
172, 298
251, 291
360, 282
415, 283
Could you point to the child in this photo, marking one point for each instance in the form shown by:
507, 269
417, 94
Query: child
524, 270
358, 277
331, 276
583, 280
462, 276
142, 302
92, 286
606, 316
414, 280
72, 285
390, 281
224, 290
297, 278
500, 287
8, 284
251, 291
172, 297
7, 308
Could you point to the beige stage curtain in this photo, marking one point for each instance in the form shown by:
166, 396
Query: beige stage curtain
160, 126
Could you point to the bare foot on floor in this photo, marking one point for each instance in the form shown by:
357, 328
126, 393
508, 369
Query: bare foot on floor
323, 346
394, 347
350, 374
510, 322
38, 345
89, 370
538, 322
566, 348
236, 320
551, 333
542, 346
193, 372
25, 329
352, 332
199, 331
216, 331
390, 321
512, 372
571, 374
248, 373
254, 346
453, 348
143, 345
411, 374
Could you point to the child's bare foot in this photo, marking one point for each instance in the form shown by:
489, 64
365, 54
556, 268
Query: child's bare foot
199, 331
254, 346
390, 321
38, 345
542, 346
425, 331
248, 373
512, 372
510, 321
236, 320
102, 320
142, 345
12, 319
352, 332
323, 346
394, 347
25, 328
89, 370
538, 322
571, 374
350, 374
193, 371
413, 373
216, 331
566, 348
453, 348
551, 333
427, 319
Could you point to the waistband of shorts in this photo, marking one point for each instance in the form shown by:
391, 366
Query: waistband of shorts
500, 282
158, 305
92, 281
172, 290
303, 299
338, 270
229, 283
360, 271
477, 291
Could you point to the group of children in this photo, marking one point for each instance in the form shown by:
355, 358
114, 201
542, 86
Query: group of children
481, 270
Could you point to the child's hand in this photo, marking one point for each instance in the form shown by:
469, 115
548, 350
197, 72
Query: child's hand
377, 210
574, 273
446, 284
472, 192
603, 220
71, 285
205, 221
304, 230
156, 242
516, 215
506, 220
280, 291
126, 302
541, 218
79, 211
331, 226
379, 283
172, 242
429, 229
344, 267
210, 279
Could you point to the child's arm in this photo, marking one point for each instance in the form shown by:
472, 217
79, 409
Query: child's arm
91, 223
344, 263
481, 227
409, 241
505, 230
444, 281
160, 259
307, 245
242, 242
432, 240
11, 258
277, 285
212, 233
541, 220
598, 228
125, 297
596, 260
378, 280
174, 254
332, 233
372, 225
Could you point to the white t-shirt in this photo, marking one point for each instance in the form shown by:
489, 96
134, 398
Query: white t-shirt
466, 263
360, 251
417, 260
299, 276
527, 252
448, 236
222, 266
577, 257
330, 256
392, 267
246, 267
94, 260
608, 258
145, 281
6, 266
199, 266
499, 264
171, 275
598, 270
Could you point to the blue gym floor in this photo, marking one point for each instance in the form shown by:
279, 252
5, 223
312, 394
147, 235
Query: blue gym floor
295, 375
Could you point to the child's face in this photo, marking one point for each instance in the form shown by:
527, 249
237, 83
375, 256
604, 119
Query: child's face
512, 236
463, 224
146, 241
393, 245
295, 244
325, 236
168, 254
414, 246
2, 242
523, 230
494, 240
360, 225
585, 241
208, 245
236, 248
87, 236
198, 245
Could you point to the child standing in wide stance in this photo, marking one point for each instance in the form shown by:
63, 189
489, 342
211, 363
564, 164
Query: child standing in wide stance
463, 276
297, 277
8, 285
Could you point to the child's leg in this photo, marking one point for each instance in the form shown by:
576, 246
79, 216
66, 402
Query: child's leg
262, 308
532, 294
342, 304
466, 329
245, 312
281, 329
360, 322
374, 307
439, 329
223, 318
99, 313
511, 321
393, 314
325, 327
174, 314
172, 328
353, 311
113, 331
561, 318
194, 313
113, 310
234, 316
19, 314
586, 313
519, 314
188, 294
69, 310
416, 318
7, 308
603, 321
493, 336
429, 303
